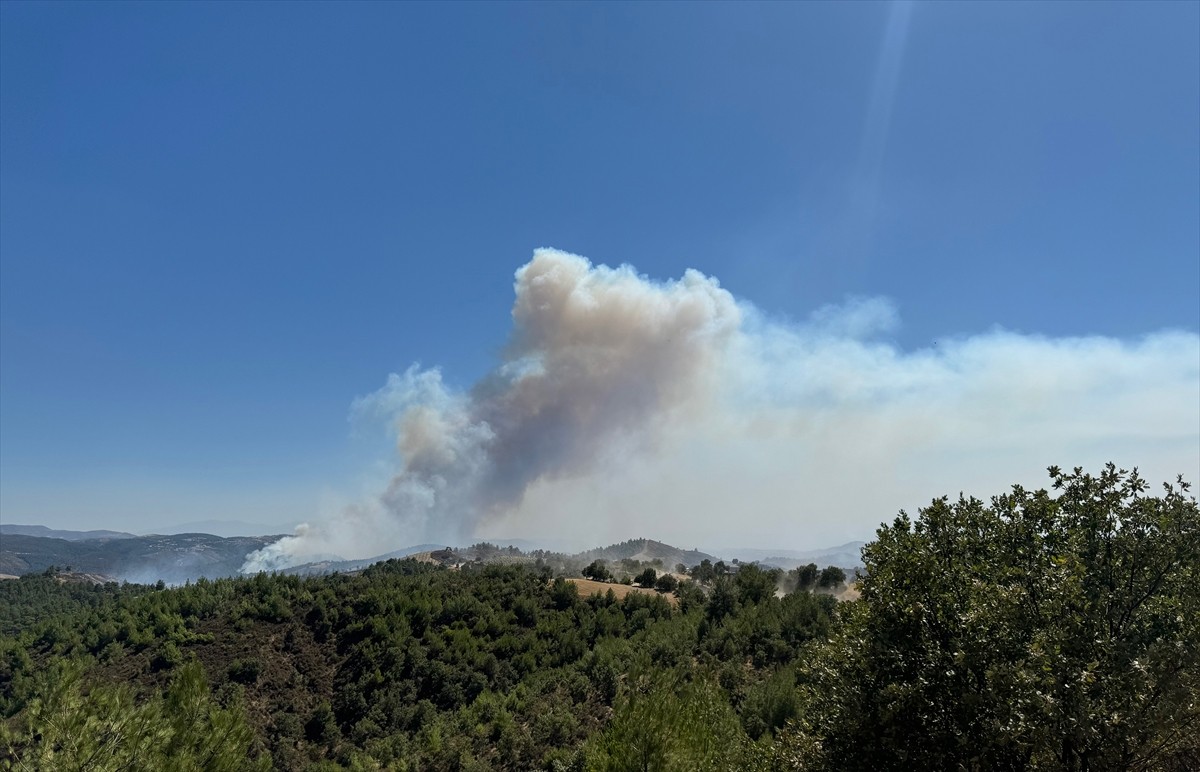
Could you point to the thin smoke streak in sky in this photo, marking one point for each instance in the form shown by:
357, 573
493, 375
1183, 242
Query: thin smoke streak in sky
883, 91
868, 179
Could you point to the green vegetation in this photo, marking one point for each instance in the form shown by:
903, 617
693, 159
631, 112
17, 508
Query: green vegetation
106, 729
1040, 632
597, 571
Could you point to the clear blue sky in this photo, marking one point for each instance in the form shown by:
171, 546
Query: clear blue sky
220, 223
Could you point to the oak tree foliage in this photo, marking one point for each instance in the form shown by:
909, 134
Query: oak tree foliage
1055, 630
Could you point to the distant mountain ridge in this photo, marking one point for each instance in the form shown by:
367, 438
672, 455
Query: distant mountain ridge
224, 528
178, 558
15, 529
142, 559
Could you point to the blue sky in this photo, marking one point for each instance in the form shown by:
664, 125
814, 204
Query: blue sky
221, 223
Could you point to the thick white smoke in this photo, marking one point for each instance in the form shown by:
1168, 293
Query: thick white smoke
625, 406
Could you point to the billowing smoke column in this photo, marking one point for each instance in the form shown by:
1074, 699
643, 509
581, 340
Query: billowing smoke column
597, 357
625, 407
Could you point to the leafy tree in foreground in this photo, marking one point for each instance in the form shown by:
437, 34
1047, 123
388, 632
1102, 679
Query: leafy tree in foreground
1041, 632
106, 729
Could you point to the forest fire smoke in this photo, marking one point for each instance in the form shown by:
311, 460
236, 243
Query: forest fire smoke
597, 356
618, 396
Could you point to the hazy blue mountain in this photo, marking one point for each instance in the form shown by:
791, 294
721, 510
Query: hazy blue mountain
54, 533
225, 528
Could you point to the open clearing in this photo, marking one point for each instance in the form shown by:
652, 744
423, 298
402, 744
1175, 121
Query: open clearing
850, 593
590, 587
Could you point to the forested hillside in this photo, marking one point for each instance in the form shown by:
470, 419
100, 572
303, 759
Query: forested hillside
173, 559
1044, 631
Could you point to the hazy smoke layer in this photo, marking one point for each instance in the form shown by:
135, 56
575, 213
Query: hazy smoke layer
625, 406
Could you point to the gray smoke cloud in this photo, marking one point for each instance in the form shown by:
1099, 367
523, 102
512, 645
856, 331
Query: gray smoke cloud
624, 406
598, 358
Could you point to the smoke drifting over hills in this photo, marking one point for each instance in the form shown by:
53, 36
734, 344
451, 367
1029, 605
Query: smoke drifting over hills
624, 405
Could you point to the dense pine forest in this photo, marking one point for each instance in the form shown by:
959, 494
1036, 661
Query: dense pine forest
1042, 630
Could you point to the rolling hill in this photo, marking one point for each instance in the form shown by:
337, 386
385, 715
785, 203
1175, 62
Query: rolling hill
647, 551
141, 559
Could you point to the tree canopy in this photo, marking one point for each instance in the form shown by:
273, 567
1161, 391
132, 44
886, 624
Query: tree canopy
1043, 631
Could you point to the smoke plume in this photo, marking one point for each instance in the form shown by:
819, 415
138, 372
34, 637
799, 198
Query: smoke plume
624, 406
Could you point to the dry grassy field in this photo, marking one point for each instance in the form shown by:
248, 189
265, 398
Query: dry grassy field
589, 587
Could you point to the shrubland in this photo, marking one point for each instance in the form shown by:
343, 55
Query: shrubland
1043, 630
